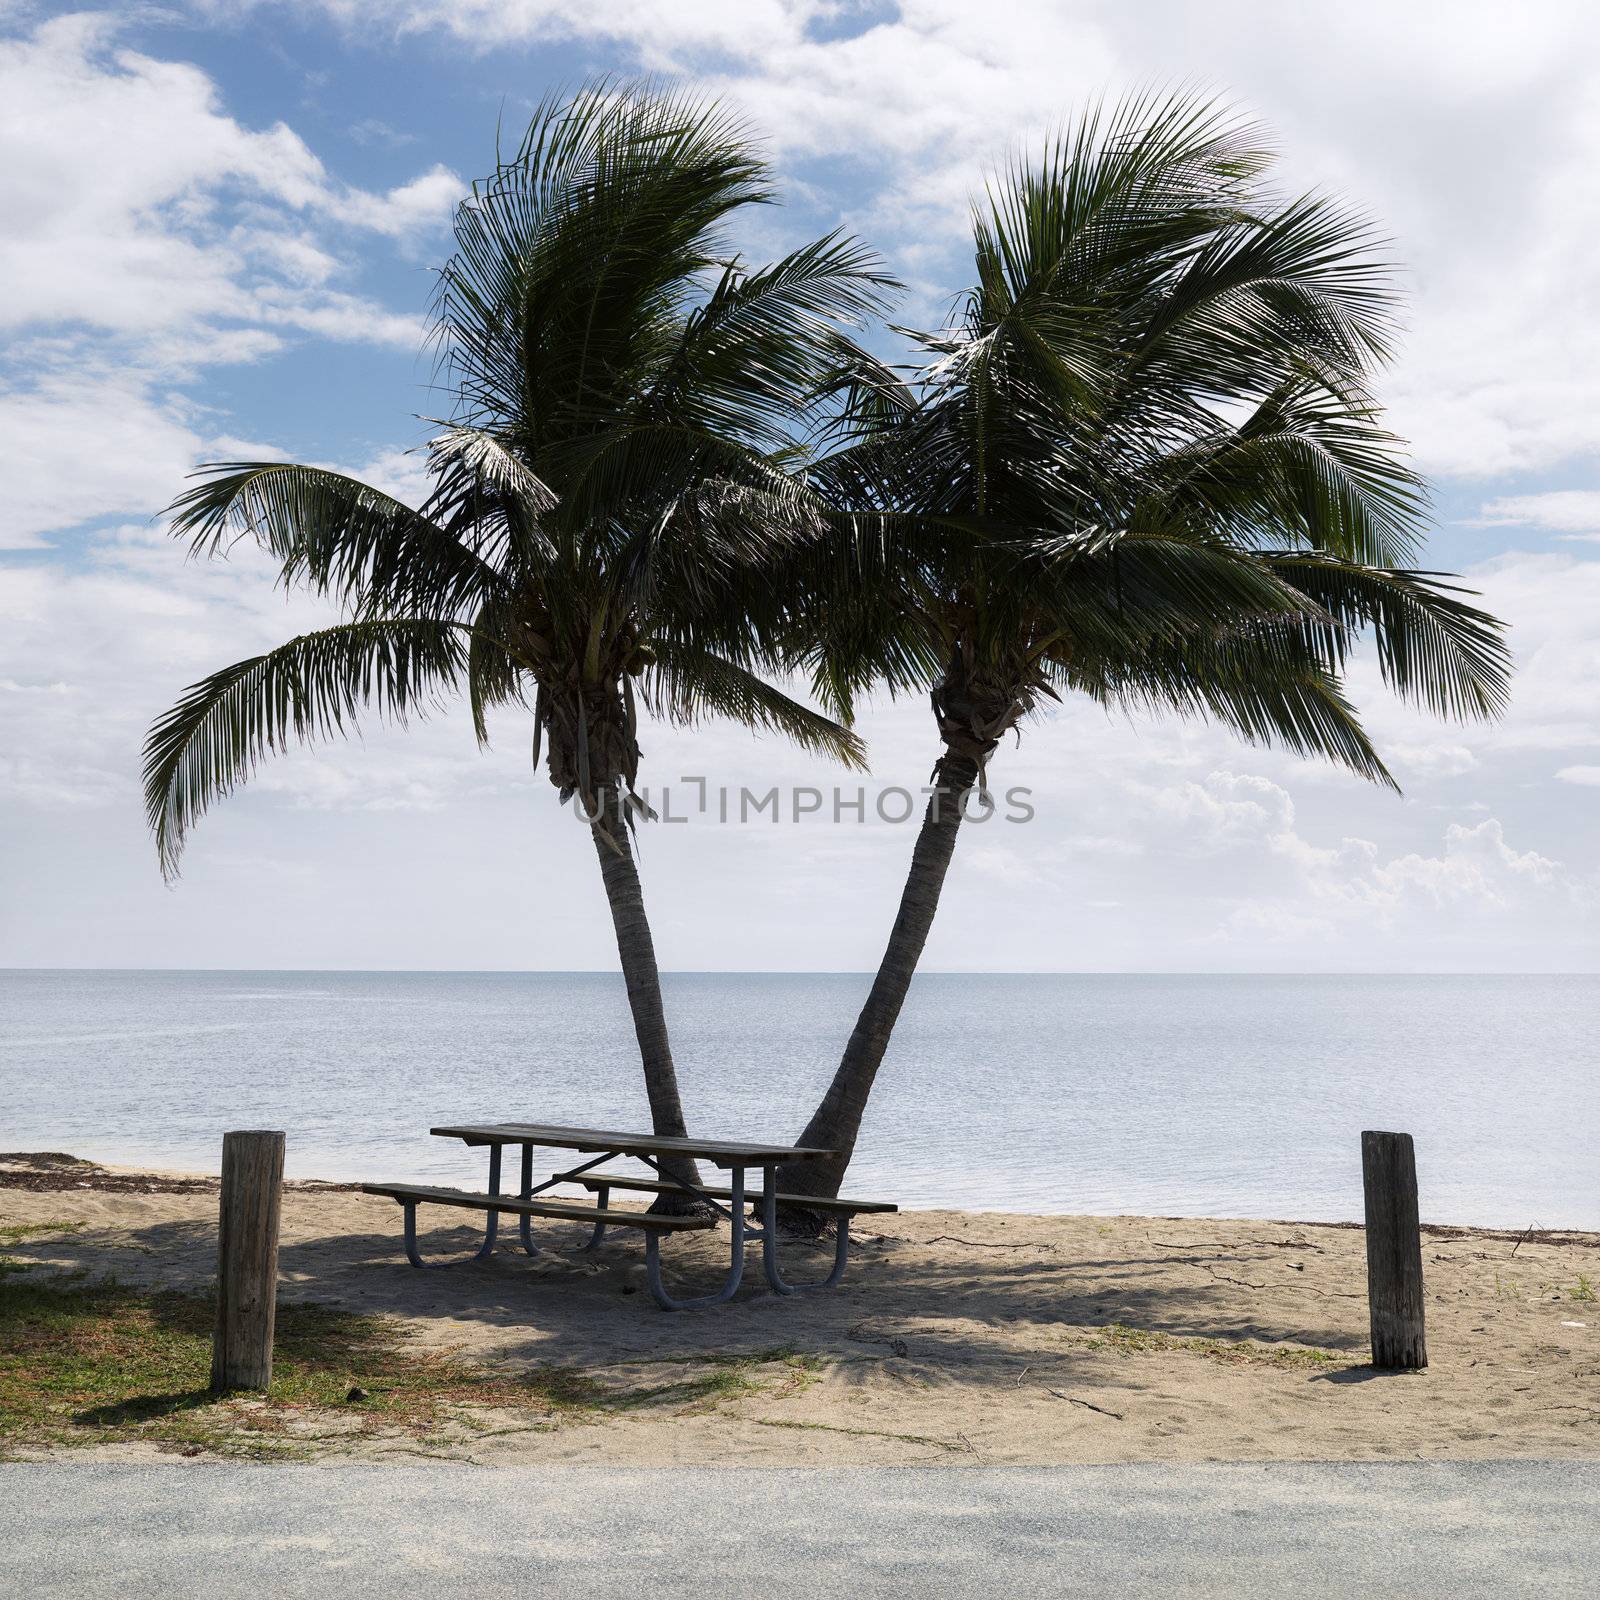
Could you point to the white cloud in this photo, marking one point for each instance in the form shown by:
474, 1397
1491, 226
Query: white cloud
404, 210
126, 633
1217, 814
374, 131
1303, 889
1477, 864
165, 230
402, 473
1434, 759
1004, 865
1553, 605
150, 234
1587, 777
86, 441
1569, 510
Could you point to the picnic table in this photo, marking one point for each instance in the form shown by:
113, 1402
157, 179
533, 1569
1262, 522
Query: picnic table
666, 1157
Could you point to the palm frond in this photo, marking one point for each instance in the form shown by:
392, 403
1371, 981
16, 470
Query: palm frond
313, 687
575, 259
340, 536
1433, 646
1267, 687
1144, 459
1106, 589
765, 342
1304, 468
491, 464
687, 685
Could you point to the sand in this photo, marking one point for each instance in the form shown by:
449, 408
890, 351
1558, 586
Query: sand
955, 1338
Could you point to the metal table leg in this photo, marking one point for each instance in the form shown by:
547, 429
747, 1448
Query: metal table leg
769, 1243
410, 1209
525, 1221
652, 1256
491, 1225
602, 1195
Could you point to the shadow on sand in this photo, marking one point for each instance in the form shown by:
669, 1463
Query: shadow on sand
959, 1321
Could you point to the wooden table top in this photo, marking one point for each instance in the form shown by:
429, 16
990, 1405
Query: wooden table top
719, 1152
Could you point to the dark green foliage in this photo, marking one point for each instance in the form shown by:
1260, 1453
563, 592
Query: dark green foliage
620, 466
1143, 461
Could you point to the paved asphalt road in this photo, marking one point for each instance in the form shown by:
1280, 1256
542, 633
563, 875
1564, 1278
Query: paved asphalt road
1453, 1530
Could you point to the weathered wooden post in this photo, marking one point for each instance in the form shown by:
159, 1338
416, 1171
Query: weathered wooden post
1394, 1250
247, 1261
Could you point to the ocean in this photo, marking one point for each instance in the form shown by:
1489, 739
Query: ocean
1173, 1095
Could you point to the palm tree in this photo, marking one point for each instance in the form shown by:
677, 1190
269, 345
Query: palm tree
619, 464
1142, 463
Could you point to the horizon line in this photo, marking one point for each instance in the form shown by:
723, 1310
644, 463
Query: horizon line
854, 972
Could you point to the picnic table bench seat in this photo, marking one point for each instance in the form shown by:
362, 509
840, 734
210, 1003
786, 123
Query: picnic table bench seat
843, 1204
562, 1210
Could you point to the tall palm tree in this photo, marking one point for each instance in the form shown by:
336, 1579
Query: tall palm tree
1142, 463
619, 464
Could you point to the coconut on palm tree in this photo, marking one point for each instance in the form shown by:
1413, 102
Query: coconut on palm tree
619, 464
1142, 463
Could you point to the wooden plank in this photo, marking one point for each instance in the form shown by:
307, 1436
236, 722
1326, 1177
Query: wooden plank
594, 1180
719, 1152
1394, 1251
559, 1209
247, 1261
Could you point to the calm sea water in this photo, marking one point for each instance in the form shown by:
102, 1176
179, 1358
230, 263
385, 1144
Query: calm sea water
1199, 1096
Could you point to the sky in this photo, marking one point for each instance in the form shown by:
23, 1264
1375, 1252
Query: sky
219, 224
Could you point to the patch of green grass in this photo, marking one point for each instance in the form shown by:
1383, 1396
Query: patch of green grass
1123, 1340
15, 1232
727, 1377
721, 1377
95, 1362
1583, 1289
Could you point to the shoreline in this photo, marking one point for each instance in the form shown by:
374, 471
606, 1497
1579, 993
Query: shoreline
956, 1337
52, 1171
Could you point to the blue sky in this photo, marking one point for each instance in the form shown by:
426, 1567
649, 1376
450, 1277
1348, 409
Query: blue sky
220, 223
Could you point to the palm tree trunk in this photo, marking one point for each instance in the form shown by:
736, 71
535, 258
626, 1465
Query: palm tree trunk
837, 1120
637, 951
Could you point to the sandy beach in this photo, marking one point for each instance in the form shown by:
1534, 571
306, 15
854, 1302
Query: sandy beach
956, 1337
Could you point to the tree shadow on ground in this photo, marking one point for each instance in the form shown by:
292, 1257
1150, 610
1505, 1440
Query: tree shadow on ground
1363, 1374
962, 1322
144, 1408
